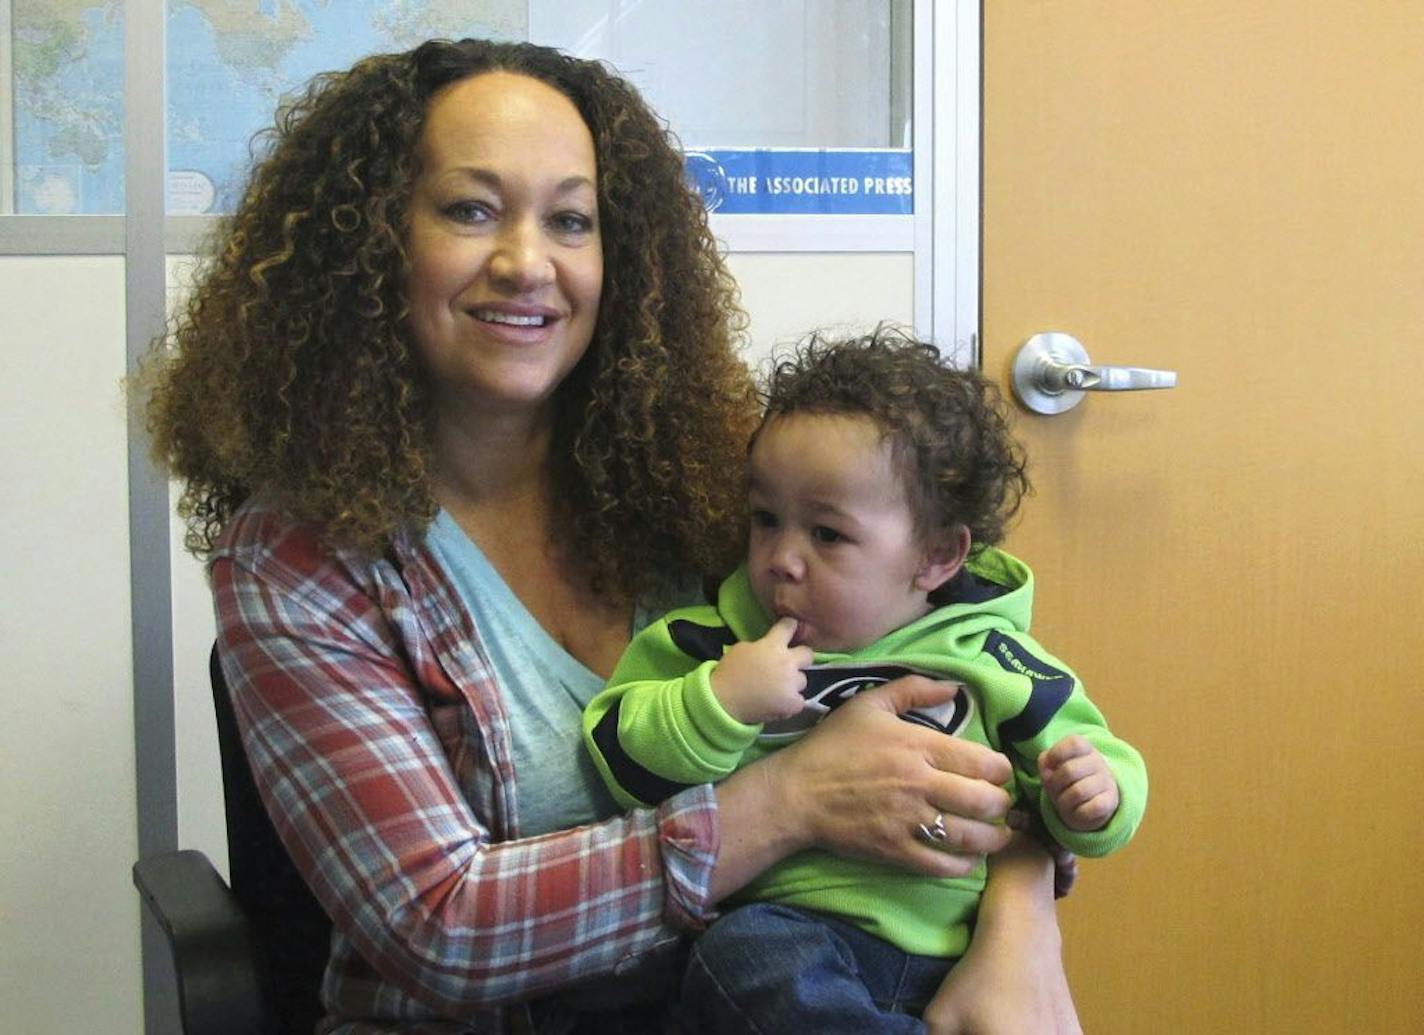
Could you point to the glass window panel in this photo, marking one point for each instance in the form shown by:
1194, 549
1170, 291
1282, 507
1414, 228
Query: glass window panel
229, 65
752, 73
67, 105
784, 106
779, 94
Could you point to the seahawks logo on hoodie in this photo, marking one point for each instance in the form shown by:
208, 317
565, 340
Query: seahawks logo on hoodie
831, 685
828, 686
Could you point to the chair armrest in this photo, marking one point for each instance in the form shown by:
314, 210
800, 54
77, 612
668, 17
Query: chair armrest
216, 956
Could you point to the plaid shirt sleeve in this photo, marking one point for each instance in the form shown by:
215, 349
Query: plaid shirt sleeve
350, 718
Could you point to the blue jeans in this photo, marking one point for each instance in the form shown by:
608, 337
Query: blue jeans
767, 969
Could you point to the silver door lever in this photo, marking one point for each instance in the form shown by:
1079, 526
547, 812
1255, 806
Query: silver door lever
1052, 371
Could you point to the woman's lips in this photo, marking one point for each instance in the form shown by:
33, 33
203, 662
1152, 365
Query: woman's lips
516, 323
515, 316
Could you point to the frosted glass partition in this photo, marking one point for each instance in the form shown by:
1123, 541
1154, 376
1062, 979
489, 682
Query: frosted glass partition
752, 73
785, 107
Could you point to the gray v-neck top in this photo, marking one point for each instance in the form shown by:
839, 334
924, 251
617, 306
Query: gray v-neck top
545, 689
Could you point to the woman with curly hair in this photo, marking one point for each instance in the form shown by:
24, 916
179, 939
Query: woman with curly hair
457, 409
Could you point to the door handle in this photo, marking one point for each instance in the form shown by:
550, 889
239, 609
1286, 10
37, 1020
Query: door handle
1052, 371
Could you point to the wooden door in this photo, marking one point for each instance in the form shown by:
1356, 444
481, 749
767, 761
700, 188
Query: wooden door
1233, 189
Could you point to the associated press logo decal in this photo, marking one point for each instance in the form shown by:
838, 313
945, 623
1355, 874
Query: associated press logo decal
802, 181
707, 177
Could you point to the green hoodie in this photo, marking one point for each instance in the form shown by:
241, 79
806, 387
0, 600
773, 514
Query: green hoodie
657, 728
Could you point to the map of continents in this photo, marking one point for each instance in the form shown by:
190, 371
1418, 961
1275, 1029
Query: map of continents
229, 64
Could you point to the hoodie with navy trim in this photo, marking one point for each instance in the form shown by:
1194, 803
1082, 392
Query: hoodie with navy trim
658, 728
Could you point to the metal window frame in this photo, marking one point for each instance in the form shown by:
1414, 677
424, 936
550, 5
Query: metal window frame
7, 111
150, 549
948, 57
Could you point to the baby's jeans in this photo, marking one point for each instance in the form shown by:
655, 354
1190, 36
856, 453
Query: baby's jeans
764, 969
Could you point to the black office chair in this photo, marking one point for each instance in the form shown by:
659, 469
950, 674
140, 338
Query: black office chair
248, 959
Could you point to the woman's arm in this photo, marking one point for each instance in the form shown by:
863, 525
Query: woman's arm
1011, 981
397, 814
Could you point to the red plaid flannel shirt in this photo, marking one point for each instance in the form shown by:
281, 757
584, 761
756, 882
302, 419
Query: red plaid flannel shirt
379, 741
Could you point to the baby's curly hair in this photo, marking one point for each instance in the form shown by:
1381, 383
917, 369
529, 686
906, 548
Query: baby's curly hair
290, 371
948, 429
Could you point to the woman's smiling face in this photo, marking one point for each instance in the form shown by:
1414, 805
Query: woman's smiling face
505, 257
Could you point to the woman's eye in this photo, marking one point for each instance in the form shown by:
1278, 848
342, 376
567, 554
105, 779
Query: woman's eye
572, 223
822, 534
468, 211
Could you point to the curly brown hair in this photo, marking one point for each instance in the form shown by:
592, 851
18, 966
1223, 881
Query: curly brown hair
948, 429
291, 371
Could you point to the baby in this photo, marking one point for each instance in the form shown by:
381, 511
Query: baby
880, 480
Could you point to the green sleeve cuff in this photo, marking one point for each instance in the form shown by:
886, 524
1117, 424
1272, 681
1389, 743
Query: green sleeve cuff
715, 734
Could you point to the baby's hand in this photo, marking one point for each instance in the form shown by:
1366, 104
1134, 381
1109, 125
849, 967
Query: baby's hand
1077, 778
761, 680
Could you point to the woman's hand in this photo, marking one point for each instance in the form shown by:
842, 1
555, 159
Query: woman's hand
864, 781
1011, 980
860, 784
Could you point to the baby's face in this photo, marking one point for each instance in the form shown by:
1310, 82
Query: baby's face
833, 543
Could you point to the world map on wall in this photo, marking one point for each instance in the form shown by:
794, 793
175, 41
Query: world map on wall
228, 66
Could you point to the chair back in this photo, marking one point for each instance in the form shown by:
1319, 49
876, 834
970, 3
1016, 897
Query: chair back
294, 931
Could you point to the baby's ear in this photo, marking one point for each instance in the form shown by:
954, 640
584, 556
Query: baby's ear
943, 560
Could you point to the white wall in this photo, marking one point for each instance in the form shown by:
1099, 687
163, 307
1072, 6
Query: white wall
69, 957
787, 295
199, 777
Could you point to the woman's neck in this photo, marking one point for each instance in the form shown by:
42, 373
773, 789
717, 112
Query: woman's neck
493, 479
496, 485
491, 465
